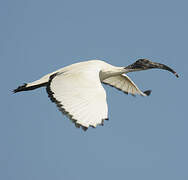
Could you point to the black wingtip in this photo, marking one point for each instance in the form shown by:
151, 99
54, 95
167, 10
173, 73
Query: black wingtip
84, 128
20, 88
148, 92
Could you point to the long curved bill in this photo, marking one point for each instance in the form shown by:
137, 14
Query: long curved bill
165, 67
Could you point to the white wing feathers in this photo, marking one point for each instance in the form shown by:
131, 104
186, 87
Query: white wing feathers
125, 84
80, 96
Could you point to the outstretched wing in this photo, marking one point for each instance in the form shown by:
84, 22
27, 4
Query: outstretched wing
80, 96
125, 84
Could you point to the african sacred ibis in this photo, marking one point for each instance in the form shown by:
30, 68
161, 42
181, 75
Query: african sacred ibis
78, 92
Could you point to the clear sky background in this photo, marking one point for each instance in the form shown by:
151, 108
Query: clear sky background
145, 137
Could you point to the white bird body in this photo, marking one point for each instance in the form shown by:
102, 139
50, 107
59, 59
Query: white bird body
78, 92
86, 67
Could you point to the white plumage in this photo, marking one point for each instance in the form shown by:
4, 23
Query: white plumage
78, 92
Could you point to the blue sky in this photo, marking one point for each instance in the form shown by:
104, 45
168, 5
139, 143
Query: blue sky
145, 138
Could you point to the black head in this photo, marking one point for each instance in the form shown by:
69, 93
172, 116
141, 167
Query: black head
144, 64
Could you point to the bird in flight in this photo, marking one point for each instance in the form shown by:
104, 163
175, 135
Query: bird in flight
78, 92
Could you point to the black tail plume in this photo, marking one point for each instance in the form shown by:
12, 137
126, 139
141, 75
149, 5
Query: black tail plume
25, 88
